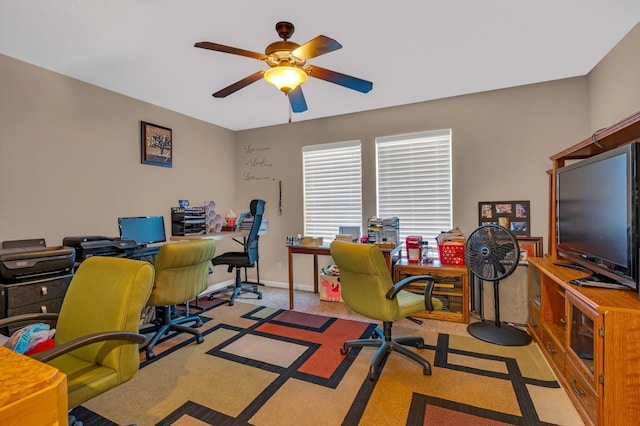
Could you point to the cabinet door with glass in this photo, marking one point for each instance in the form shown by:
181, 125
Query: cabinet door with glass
584, 342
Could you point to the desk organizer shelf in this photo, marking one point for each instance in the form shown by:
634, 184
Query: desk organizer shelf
188, 221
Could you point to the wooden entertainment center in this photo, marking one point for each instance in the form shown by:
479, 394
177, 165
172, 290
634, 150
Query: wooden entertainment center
590, 336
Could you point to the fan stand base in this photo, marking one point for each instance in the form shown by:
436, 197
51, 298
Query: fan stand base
504, 334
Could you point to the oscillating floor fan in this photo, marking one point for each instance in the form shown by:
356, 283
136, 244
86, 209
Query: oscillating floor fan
492, 254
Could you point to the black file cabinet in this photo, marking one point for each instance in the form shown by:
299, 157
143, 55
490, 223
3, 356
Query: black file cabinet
32, 296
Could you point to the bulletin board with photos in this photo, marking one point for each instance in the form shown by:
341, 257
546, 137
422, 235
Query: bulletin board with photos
513, 215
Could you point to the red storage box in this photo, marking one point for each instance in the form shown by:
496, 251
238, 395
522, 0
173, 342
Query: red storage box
414, 249
451, 254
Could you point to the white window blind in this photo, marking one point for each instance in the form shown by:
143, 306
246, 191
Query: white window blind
332, 188
414, 182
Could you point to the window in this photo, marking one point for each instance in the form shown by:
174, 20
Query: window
332, 188
414, 182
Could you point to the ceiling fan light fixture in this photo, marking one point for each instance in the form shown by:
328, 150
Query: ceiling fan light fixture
285, 78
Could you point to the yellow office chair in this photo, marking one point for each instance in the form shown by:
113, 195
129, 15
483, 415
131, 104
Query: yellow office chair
181, 275
96, 339
367, 288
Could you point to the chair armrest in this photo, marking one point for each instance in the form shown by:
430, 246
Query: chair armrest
242, 243
71, 345
428, 289
28, 318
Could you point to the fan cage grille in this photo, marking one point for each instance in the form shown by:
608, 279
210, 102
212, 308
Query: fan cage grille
492, 252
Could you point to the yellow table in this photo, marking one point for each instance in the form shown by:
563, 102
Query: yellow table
31, 392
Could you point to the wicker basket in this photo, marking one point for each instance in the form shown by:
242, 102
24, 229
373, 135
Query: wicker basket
451, 254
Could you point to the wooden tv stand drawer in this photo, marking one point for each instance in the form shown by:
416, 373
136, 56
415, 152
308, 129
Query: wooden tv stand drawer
581, 391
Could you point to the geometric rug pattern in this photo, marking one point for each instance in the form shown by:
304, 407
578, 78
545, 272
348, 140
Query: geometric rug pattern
265, 366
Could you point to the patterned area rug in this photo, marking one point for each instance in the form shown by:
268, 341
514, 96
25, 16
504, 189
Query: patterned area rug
264, 366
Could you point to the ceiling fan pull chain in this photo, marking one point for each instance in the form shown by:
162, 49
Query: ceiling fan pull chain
288, 103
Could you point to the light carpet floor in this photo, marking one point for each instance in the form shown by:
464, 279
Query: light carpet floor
248, 372
180, 390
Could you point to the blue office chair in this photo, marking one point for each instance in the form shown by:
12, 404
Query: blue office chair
246, 258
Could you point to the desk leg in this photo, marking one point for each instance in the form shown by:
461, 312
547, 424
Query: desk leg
290, 279
387, 258
315, 274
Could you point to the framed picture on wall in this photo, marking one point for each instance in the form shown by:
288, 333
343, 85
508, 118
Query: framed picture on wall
529, 247
156, 144
513, 215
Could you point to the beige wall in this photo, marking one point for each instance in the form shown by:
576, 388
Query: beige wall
70, 153
502, 141
614, 84
70, 158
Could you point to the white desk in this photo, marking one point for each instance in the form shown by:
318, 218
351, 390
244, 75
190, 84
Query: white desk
218, 236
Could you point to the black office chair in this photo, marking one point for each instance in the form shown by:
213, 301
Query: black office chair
246, 258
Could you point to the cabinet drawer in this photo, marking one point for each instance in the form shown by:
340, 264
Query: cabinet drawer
35, 292
553, 350
534, 321
581, 390
50, 305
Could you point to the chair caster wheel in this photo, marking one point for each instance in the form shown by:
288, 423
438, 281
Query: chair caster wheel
150, 355
230, 302
373, 375
344, 351
200, 340
259, 297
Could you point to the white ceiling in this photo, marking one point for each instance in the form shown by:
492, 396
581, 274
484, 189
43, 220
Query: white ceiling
412, 51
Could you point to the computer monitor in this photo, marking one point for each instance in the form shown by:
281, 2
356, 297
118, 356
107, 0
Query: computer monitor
354, 231
143, 229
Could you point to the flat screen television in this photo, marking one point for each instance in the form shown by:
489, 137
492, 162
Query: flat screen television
143, 229
597, 215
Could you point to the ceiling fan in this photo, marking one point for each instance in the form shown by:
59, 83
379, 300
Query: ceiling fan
288, 67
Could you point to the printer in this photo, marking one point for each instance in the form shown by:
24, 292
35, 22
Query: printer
96, 245
21, 263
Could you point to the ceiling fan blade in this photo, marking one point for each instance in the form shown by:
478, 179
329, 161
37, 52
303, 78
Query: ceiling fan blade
347, 81
316, 47
228, 49
239, 85
296, 99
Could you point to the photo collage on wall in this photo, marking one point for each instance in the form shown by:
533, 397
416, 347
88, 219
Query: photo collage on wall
513, 215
